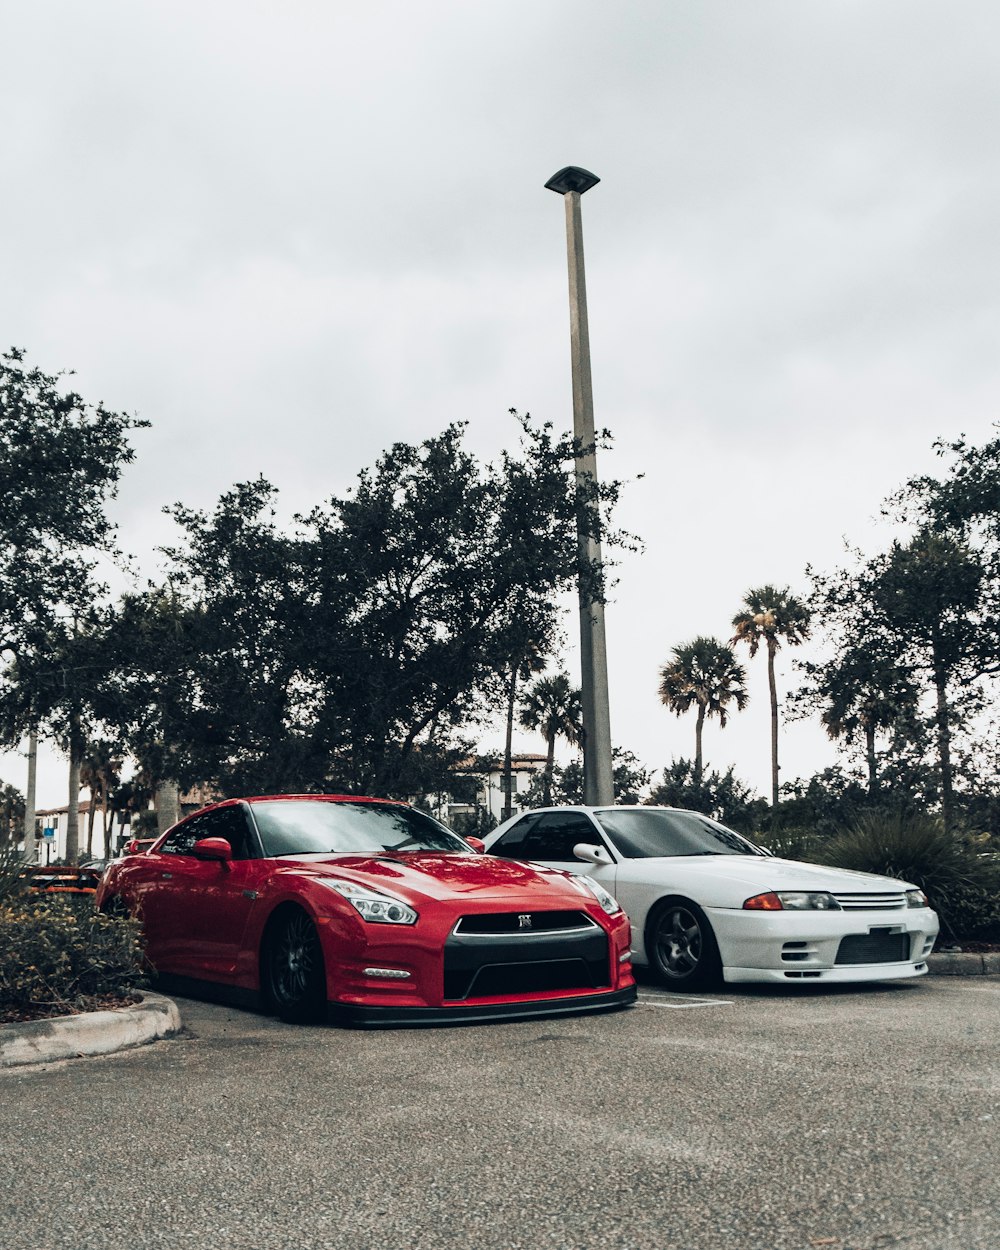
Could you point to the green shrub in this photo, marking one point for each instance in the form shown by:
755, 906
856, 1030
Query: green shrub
11, 867
792, 842
960, 879
58, 954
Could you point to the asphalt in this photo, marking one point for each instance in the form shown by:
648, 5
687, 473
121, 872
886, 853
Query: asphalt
859, 1117
104, 1032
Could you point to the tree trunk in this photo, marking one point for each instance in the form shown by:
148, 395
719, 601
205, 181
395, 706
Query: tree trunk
90, 824
698, 727
167, 804
73, 812
105, 828
944, 742
550, 764
29, 853
872, 760
772, 687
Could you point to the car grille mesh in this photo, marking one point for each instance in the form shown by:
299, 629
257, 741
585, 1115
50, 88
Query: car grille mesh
874, 948
888, 900
500, 956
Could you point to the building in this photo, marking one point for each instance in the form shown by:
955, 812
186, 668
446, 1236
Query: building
488, 803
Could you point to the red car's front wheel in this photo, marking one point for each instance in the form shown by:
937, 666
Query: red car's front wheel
294, 974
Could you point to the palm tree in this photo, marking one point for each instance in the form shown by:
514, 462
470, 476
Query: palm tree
552, 706
703, 674
100, 772
772, 616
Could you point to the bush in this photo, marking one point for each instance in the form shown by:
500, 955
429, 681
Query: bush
961, 881
787, 842
59, 955
11, 867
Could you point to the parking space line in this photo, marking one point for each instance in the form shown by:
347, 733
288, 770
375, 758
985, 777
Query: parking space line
681, 1002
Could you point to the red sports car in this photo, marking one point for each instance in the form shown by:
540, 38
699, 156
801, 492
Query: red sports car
369, 910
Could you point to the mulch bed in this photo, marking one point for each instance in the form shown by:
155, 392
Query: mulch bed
49, 1011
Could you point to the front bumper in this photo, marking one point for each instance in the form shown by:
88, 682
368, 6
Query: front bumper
478, 1013
788, 947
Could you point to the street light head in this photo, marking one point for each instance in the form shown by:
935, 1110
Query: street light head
572, 178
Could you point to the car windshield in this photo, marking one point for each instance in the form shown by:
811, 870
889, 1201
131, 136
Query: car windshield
646, 833
311, 827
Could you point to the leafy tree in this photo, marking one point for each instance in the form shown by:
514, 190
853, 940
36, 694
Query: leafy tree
928, 592
861, 695
629, 775
703, 674
356, 647
521, 669
906, 623
720, 795
60, 460
552, 706
11, 815
772, 616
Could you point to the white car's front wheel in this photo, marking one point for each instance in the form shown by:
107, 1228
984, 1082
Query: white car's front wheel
681, 946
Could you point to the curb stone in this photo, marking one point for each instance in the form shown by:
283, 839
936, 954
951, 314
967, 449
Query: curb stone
89, 1033
964, 963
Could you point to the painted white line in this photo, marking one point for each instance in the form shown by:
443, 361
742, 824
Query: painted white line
678, 1003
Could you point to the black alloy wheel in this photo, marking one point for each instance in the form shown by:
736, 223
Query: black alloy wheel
294, 975
681, 946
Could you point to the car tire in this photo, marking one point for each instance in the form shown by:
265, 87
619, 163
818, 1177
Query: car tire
294, 976
681, 947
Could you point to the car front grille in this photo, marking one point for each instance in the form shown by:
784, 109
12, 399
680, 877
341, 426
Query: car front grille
877, 947
889, 900
492, 955
517, 922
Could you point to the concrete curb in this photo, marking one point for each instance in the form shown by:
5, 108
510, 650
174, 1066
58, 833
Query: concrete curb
964, 964
89, 1033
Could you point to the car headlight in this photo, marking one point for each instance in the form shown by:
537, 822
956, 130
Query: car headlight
792, 900
606, 900
917, 898
372, 905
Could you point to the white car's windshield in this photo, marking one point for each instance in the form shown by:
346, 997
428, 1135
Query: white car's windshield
646, 833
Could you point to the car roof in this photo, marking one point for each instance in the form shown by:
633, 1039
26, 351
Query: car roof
281, 798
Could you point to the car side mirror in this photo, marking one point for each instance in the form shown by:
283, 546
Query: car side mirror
477, 844
591, 854
212, 848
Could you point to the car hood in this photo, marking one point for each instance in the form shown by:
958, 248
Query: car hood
427, 874
756, 874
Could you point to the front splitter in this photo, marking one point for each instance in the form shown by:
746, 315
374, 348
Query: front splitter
480, 1013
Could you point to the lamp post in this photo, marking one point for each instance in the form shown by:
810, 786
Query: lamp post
598, 784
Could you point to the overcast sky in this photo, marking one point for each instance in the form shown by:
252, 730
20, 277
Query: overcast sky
288, 234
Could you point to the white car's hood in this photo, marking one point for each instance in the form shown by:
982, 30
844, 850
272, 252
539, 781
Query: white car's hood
727, 880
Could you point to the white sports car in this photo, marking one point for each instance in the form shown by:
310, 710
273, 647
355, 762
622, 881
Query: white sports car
706, 902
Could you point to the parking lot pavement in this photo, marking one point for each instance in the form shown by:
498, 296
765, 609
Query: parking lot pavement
851, 1119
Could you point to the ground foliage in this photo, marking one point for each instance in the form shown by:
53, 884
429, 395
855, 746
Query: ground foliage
58, 955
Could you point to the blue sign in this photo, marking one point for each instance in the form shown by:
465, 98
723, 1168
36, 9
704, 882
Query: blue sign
48, 832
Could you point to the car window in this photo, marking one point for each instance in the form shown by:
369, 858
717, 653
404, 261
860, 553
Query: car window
548, 836
182, 839
229, 823
317, 827
645, 833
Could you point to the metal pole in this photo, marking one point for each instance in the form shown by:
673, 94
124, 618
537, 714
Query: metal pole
598, 783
